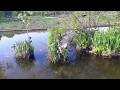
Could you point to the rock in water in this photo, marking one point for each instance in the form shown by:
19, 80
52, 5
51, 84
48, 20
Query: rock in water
71, 52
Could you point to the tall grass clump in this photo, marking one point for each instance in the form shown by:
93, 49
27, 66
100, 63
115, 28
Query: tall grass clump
53, 44
83, 39
107, 42
101, 42
24, 50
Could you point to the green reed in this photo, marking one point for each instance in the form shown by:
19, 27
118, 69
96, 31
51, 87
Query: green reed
53, 40
107, 42
82, 39
23, 49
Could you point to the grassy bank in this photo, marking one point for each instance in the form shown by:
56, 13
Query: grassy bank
34, 22
75, 20
84, 19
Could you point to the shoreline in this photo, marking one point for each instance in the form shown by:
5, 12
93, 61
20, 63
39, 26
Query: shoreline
37, 29
105, 56
20, 30
101, 25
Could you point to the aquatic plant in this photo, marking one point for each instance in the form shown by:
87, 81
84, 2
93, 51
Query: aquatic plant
102, 42
82, 39
108, 41
64, 53
53, 44
24, 50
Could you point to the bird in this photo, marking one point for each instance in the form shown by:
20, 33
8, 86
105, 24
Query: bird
13, 46
84, 15
29, 39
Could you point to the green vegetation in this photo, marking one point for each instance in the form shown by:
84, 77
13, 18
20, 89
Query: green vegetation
81, 39
24, 17
107, 42
4, 20
29, 19
50, 19
59, 21
24, 50
83, 19
84, 38
34, 22
103, 42
12, 25
53, 44
93, 40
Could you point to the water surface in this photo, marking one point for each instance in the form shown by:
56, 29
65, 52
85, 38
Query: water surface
85, 67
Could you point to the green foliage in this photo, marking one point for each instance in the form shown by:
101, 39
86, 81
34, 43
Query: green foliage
23, 49
1, 14
4, 20
12, 25
34, 22
24, 16
84, 19
50, 13
108, 41
53, 40
81, 39
64, 54
97, 49
14, 13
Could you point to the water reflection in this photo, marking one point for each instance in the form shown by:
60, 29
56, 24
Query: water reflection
66, 71
88, 67
2, 72
7, 34
25, 65
0, 37
107, 68
10, 34
85, 67
9, 65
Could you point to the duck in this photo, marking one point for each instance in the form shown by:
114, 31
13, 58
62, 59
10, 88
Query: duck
29, 39
13, 46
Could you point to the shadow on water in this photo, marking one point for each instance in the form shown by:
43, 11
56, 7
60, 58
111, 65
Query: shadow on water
2, 72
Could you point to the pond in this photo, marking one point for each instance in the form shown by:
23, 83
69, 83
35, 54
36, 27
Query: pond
85, 67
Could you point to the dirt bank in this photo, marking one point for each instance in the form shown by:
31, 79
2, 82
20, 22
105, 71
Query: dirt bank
20, 30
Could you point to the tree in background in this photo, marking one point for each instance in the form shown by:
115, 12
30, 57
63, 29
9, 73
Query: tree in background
24, 16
